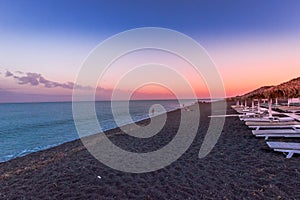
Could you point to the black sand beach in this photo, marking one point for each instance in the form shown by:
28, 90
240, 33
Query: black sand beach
239, 167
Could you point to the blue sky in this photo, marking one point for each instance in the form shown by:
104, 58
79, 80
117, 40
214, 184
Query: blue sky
109, 17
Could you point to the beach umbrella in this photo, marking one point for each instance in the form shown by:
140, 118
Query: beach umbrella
291, 89
238, 102
288, 89
270, 107
257, 94
274, 92
289, 102
237, 99
270, 94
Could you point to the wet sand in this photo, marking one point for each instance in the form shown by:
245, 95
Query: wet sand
239, 167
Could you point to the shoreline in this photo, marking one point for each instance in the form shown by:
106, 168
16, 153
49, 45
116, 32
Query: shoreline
58, 144
25, 152
239, 166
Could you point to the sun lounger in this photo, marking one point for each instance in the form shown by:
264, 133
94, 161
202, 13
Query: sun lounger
279, 135
272, 123
237, 106
275, 131
290, 133
294, 116
257, 119
248, 115
274, 126
241, 111
267, 119
285, 147
286, 119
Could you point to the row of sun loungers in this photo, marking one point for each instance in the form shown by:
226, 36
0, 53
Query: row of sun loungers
274, 127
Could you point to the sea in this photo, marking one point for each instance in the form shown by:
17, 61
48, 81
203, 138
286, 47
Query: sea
30, 127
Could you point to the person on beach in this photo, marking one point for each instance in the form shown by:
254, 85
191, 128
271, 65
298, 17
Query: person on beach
152, 111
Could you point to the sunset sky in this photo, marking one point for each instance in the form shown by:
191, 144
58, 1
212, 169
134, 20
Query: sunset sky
252, 43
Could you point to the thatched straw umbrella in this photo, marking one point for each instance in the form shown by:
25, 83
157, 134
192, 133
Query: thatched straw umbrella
270, 94
237, 98
257, 94
245, 103
290, 89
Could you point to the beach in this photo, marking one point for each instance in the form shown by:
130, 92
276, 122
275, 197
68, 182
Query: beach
240, 166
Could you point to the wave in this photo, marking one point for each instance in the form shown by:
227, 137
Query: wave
29, 151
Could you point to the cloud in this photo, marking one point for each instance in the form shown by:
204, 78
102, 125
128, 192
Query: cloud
19, 72
35, 79
30, 78
8, 74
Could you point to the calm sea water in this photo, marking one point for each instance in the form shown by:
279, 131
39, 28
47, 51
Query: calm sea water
31, 127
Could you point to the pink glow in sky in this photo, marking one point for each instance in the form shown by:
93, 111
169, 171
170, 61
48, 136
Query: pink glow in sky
244, 64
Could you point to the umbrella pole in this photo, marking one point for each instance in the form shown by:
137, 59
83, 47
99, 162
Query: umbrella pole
270, 107
258, 105
237, 103
245, 103
276, 102
252, 104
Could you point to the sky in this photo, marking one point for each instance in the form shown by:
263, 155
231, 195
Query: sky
43, 44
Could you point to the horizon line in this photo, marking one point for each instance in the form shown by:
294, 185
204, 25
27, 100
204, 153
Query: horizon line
111, 100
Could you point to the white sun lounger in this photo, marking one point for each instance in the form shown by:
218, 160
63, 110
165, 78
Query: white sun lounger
286, 119
280, 135
275, 126
266, 119
271, 123
257, 119
285, 147
275, 131
290, 133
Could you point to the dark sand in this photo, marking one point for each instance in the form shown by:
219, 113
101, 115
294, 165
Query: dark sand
239, 167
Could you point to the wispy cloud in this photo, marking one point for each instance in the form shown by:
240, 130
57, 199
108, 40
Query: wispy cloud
35, 79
